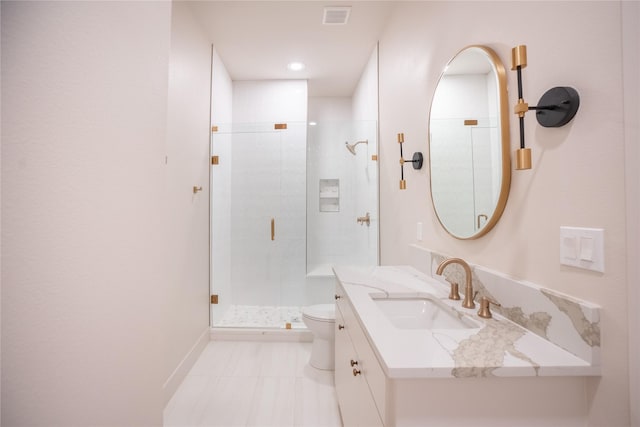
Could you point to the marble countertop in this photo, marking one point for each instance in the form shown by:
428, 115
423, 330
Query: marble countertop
497, 348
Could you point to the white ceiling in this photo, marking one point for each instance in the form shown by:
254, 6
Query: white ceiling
257, 39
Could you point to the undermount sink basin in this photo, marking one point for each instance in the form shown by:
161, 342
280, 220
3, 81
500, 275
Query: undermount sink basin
422, 313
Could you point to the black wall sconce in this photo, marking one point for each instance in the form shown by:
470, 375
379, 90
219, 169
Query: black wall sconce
417, 161
556, 107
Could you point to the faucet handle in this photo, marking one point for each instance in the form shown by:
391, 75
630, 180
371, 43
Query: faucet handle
453, 294
485, 311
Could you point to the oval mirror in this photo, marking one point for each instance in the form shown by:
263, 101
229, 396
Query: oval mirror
469, 143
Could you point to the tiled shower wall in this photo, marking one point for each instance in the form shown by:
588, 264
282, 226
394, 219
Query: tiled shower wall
335, 238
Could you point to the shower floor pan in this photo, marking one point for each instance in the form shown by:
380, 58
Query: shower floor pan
253, 316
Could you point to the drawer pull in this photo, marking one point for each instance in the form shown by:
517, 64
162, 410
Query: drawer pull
337, 297
353, 363
356, 372
340, 327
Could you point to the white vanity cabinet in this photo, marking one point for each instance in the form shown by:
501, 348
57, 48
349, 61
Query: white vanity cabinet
359, 379
411, 377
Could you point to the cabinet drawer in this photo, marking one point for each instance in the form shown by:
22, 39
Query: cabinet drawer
367, 361
357, 406
344, 352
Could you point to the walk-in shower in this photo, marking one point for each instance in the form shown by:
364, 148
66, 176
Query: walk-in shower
285, 204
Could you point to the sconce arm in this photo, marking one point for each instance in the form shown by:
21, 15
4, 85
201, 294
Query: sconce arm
417, 161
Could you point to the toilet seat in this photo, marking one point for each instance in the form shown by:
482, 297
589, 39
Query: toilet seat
320, 312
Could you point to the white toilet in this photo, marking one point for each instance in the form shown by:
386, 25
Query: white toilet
320, 319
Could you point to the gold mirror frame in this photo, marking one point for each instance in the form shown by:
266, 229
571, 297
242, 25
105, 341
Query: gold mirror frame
503, 115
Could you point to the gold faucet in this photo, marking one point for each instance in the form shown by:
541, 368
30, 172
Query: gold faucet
468, 289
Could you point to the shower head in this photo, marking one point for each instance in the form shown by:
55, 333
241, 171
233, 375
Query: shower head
352, 147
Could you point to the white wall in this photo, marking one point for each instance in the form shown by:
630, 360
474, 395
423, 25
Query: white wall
84, 268
364, 102
104, 261
577, 177
185, 320
270, 101
631, 74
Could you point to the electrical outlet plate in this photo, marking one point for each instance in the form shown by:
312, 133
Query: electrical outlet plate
582, 248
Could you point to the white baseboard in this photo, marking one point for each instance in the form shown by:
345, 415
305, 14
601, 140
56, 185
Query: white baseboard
181, 371
247, 334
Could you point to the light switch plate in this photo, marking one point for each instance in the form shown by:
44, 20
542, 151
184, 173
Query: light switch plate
582, 248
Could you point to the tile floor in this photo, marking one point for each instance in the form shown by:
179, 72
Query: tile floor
253, 383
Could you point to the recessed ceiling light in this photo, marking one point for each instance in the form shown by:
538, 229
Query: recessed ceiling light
312, 123
296, 66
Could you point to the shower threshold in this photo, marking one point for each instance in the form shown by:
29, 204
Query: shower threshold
261, 317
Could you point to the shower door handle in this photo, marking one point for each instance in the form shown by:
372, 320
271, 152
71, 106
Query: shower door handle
273, 229
364, 219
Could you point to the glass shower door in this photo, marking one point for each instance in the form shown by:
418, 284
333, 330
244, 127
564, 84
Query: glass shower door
255, 223
256, 180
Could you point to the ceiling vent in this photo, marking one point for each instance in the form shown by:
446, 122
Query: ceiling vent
336, 15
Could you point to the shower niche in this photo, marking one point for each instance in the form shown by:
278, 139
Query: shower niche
329, 195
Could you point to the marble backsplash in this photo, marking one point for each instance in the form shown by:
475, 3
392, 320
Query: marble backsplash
569, 323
